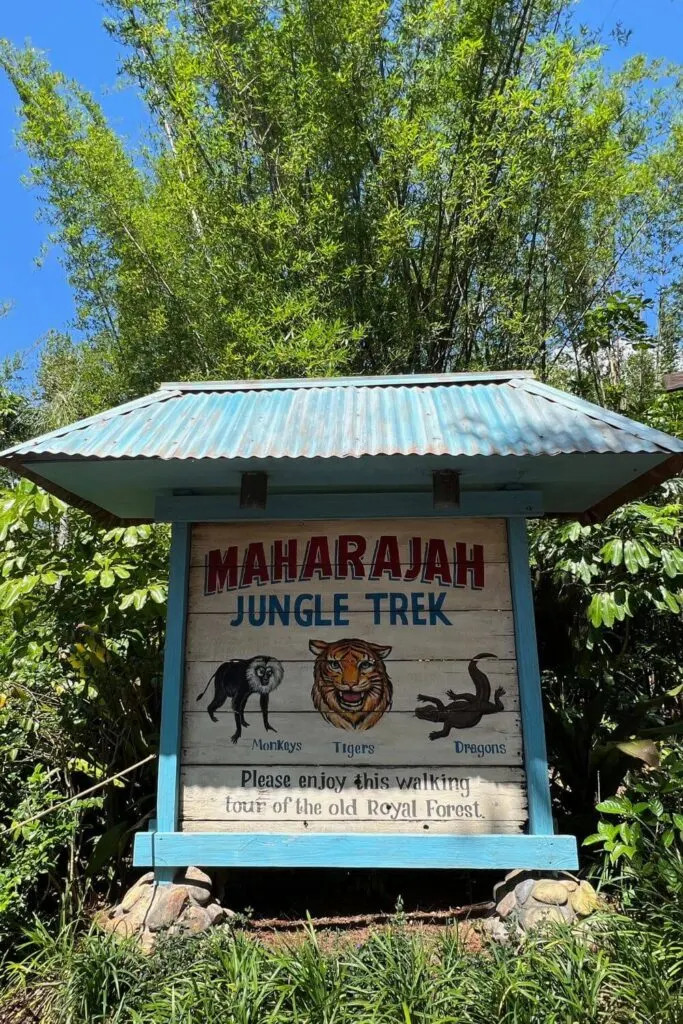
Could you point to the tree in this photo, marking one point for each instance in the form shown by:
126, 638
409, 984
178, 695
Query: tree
364, 185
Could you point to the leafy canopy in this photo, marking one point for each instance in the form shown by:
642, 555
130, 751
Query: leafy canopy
361, 185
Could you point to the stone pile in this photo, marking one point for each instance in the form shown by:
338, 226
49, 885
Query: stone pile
526, 900
185, 907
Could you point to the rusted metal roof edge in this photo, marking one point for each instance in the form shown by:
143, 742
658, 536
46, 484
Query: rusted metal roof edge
100, 417
668, 442
403, 380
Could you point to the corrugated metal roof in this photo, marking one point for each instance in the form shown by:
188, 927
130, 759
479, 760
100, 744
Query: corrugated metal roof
355, 435
468, 415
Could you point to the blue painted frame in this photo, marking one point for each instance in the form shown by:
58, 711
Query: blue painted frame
172, 692
343, 850
164, 848
531, 702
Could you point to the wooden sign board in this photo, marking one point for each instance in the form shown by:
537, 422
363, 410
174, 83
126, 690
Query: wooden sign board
351, 677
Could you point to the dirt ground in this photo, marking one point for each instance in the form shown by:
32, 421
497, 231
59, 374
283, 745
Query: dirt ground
338, 932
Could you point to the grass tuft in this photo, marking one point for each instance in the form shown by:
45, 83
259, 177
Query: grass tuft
629, 973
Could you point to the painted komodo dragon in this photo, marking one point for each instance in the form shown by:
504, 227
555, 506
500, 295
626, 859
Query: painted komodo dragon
465, 709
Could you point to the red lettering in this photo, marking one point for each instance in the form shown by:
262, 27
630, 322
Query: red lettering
284, 561
474, 565
350, 551
317, 559
255, 566
220, 570
437, 564
413, 570
387, 558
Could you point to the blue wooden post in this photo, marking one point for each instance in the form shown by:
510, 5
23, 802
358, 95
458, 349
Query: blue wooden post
172, 693
531, 704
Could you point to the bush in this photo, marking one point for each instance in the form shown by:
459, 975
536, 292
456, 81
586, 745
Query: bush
643, 848
81, 633
396, 977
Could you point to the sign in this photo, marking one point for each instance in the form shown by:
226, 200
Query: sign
351, 676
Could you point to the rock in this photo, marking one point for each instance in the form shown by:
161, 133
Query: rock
183, 908
195, 920
132, 896
104, 919
146, 879
147, 941
122, 928
167, 906
547, 891
585, 900
217, 914
522, 891
528, 899
196, 876
506, 905
197, 883
496, 930
197, 893
137, 916
536, 916
501, 889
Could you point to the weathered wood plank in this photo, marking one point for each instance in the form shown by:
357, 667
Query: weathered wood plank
211, 638
356, 827
302, 793
488, 532
494, 596
409, 678
314, 795
305, 737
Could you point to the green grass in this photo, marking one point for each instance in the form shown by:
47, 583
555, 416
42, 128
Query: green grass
634, 975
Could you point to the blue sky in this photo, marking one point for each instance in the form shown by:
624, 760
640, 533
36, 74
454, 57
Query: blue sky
71, 34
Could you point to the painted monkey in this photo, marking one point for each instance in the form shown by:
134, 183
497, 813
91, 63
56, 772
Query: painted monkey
238, 679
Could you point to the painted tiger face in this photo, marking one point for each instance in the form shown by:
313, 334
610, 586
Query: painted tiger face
351, 688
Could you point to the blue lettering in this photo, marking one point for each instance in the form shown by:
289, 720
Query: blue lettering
239, 617
319, 618
376, 606
303, 616
435, 613
279, 608
254, 618
417, 605
341, 607
398, 606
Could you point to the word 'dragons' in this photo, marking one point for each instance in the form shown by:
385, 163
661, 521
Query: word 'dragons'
345, 557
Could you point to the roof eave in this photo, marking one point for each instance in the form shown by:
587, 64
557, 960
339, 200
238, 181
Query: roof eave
637, 488
103, 516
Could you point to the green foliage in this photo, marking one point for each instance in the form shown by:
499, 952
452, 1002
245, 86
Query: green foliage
81, 613
644, 847
358, 186
608, 605
632, 562
633, 976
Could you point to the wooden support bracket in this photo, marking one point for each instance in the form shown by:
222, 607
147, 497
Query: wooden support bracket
446, 489
254, 490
